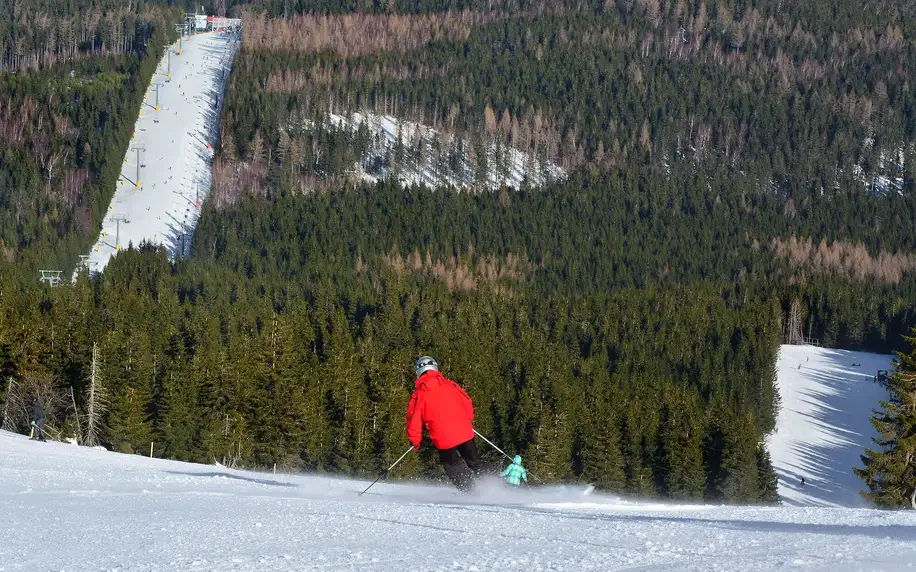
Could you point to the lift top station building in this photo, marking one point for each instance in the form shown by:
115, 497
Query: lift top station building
201, 22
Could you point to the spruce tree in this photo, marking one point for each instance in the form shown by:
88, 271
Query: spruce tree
129, 428
638, 429
126, 377
279, 381
603, 461
554, 452
890, 469
730, 457
739, 462
680, 448
178, 408
347, 401
766, 476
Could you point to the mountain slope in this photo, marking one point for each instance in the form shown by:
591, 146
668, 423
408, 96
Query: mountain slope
823, 424
73, 508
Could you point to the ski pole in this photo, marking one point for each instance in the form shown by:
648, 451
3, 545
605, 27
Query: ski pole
532, 475
386, 471
493, 445
43, 430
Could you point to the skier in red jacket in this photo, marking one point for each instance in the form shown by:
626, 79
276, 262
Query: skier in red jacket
446, 411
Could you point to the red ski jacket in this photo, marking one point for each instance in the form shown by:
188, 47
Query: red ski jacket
443, 408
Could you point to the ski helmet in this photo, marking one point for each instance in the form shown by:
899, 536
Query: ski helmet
425, 364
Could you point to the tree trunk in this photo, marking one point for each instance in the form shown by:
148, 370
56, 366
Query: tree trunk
7, 423
95, 404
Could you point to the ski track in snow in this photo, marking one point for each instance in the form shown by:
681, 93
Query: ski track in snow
174, 173
74, 509
823, 426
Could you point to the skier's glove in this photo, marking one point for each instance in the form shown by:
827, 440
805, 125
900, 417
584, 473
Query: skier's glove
416, 446
33, 423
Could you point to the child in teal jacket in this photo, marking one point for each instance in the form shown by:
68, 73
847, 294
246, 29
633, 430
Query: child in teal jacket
515, 473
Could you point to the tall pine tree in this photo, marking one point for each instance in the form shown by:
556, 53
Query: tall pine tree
890, 472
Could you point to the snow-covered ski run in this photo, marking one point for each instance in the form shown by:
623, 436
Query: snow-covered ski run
69, 508
824, 425
166, 172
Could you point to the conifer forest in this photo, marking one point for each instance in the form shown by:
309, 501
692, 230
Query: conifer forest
737, 175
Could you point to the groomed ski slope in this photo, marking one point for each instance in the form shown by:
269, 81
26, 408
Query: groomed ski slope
174, 158
824, 424
69, 508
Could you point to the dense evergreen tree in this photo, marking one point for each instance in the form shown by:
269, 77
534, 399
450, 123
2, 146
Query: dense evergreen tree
890, 472
766, 477
258, 372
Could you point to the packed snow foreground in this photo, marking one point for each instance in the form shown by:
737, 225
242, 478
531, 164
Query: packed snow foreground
824, 423
73, 508
166, 172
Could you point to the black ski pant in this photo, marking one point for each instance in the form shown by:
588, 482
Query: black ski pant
462, 464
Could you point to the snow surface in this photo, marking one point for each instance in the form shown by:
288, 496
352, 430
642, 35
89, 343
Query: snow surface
70, 508
174, 175
384, 131
824, 424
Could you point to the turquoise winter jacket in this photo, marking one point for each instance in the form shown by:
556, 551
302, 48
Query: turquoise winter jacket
515, 473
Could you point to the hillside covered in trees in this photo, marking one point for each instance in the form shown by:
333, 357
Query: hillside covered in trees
802, 108
72, 77
316, 374
739, 174
766, 120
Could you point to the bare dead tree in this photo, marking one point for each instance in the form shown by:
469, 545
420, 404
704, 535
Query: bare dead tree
95, 402
8, 424
794, 325
33, 385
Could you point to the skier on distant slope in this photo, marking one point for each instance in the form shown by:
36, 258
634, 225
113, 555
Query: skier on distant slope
446, 411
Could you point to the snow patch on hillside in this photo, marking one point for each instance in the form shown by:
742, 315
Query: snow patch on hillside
887, 175
824, 424
73, 508
437, 159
